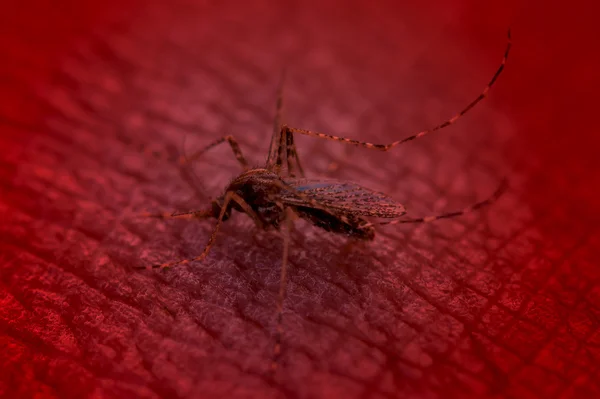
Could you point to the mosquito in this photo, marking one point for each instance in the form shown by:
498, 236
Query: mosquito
274, 195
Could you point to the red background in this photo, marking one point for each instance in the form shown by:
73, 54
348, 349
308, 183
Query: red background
503, 303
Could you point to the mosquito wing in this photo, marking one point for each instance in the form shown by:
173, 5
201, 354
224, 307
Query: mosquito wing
343, 196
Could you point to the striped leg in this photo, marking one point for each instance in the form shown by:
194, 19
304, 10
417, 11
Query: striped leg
289, 214
275, 145
452, 120
235, 147
293, 160
287, 151
282, 141
229, 196
499, 191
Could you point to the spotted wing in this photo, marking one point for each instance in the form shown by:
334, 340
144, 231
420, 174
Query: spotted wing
346, 197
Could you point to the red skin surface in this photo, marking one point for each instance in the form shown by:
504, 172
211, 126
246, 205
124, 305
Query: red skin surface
501, 303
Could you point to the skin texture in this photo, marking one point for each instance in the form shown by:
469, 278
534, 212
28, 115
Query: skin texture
501, 303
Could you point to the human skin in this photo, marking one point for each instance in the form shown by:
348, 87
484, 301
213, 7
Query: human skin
500, 303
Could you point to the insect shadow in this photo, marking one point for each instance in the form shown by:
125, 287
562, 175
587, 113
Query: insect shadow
272, 196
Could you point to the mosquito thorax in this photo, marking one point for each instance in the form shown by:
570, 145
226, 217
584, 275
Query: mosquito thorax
255, 184
259, 173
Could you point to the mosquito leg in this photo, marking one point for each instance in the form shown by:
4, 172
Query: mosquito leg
293, 160
275, 146
282, 153
282, 289
452, 120
282, 141
189, 175
235, 147
229, 196
206, 213
499, 191
286, 150
247, 209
